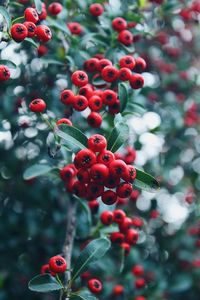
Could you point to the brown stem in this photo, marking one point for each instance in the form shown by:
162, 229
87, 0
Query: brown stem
69, 240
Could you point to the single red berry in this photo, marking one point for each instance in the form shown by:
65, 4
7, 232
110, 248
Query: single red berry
136, 81
125, 225
112, 181
83, 175
140, 283
42, 50
131, 236
55, 8
37, 105
104, 63
94, 119
98, 93
126, 247
64, 121
137, 222
67, 173
131, 24
154, 214
130, 173
122, 201
125, 37
44, 269
75, 28
43, 14
118, 290
57, 264
31, 15
134, 195
95, 286
67, 97
127, 61
19, 32
79, 78
119, 24
95, 103
105, 157
114, 108
86, 91
80, 103
99, 172
109, 74
31, 28
43, 33
140, 298
86, 275
107, 217
79, 189
96, 9
91, 65
94, 206
109, 197
70, 184
94, 190
124, 74
117, 168
109, 97
4, 73
117, 237
97, 142
140, 65
86, 158
118, 216
138, 270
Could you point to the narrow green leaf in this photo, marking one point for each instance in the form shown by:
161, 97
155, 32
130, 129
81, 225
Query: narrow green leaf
59, 25
38, 5
8, 63
36, 170
92, 252
118, 136
73, 137
123, 95
146, 182
122, 260
6, 15
31, 41
44, 283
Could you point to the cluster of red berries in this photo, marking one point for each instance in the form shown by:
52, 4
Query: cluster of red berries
138, 272
57, 264
126, 236
20, 31
125, 36
4, 73
96, 173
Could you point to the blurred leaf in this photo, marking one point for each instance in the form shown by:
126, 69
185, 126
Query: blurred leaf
84, 295
38, 5
31, 41
118, 136
91, 253
84, 220
44, 283
181, 283
146, 182
5, 14
58, 25
122, 260
50, 61
8, 63
123, 95
36, 170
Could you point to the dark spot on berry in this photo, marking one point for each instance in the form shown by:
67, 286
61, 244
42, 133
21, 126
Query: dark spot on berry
59, 262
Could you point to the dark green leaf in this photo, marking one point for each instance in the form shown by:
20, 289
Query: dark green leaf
123, 95
84, 295
8, 63
118, 136
59, 25
31, 41
36, 170
5, 14
84, 220
146, 182
92, 252
44, 283
38, 5
49, 61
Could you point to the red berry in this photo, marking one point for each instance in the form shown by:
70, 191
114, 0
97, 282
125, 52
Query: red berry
109, 197
126, 247
79, 78
117, 168
83, 175
86, 275
119, 24
104, 63
97, 143
127, 61
86, 91
94, 119
132, 236
31, 15
37, 105
140, 283
107, 217
94, 206
57, 264
118, 290
42, 50
138, 270
67, 97
64, 121
95, 103
118, 216
86, 158
124, 74
79, 189
94, 190
137, 222
99, 172
55, 8
134, 195
95, 286
109, 74
31, 28
109, 97
140, 65
44, 269
125, 225
80, 103
19, 32
140, 298
136, 81
43, 33
117, 237
67, 173
96, 9
115, 107
43, 14
75, 28
130, 174
4, 73
105, 157
91, 65
125, 37
112, 181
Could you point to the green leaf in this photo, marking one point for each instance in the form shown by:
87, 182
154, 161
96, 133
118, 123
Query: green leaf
123, 95
36, 170
6, 15
73, 137
84, 220
92, 252
8, 63
122, 260
146, 182
84, 295
31, 41
59, 25
44, 283
118, 136
38, 5
49, 61
134, 108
